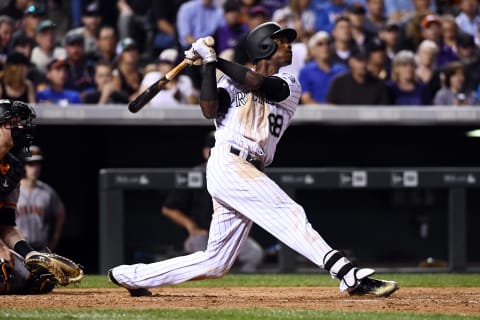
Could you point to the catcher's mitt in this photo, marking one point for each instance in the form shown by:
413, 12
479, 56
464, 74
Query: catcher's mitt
63, 269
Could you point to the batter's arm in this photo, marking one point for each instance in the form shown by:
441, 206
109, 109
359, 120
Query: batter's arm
273, 88
208, 92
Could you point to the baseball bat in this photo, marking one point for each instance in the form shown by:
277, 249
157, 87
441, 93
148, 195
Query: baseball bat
141, 100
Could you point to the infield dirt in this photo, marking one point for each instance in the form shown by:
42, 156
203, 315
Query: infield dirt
462, 301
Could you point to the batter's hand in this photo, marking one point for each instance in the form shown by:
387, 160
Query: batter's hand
192, 58
203, 47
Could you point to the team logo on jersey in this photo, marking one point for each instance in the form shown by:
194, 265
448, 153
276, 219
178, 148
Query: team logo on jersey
242, 98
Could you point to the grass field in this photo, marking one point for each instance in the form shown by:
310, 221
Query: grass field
322, 280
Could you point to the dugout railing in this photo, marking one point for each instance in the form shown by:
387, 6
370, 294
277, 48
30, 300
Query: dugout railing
114, 183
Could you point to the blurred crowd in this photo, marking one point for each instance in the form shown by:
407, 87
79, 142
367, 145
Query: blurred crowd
348, 52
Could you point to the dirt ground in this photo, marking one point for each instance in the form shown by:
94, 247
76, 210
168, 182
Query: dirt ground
464, 301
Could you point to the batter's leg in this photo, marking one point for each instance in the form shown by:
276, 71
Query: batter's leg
227, 233
238, 184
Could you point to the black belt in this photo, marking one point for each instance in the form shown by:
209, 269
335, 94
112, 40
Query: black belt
253, 160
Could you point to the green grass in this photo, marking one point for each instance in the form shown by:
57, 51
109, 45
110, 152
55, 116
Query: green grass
310, 280
269, 280
231, 314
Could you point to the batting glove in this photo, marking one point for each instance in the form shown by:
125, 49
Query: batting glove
204, 49
192, 58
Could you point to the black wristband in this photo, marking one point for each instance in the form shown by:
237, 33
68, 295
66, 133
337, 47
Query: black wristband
22, 248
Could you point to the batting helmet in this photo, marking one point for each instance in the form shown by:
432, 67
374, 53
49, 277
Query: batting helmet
260, 43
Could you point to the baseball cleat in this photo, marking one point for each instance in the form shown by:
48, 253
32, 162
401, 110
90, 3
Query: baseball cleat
375, 287
139, 292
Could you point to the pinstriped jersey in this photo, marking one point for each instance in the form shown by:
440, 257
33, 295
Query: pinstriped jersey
253, 122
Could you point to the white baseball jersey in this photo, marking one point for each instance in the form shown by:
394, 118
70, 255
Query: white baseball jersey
254, 123
241, 193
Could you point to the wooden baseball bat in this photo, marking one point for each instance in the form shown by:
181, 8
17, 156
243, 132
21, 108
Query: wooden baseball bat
141, 100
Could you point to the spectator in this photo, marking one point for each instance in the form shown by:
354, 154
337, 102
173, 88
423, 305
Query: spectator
57, 11
453, 93
106, 45
378, 62
127, 76
427, 70
40, 211
46, 49
104, 92
192, 209
356, 14
7, 25
362, 87
196, 19
469, 55
14, 84
24, 45
376, 18
316, 76
80, 71
432, 30
14, 8
404, 86
177, 91
297, 14
56, 93
164, 25
91, 21
401, 11
390, 35
342, 40
469, 20
134, 21
227, 36
270, 5
449, 32
326, 15
32, 17
256, 16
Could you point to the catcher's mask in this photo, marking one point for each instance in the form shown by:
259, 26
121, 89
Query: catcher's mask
260, 43
18, 117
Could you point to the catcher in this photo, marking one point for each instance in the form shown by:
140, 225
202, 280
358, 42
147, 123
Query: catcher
22, 269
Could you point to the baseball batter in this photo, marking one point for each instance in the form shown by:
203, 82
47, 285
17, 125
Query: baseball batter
252, 109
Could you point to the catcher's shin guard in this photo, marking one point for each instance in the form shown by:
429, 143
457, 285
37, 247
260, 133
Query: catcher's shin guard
40, 284
7, 277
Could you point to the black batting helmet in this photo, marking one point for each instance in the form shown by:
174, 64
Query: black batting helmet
260, 43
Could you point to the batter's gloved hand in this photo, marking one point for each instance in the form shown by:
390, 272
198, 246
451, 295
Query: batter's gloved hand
192, 58
203, 47
64, 270
7, 277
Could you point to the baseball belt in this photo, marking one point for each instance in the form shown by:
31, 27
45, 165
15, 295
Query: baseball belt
256, 162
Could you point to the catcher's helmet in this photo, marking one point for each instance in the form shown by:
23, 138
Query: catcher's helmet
11, 109
260, 43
